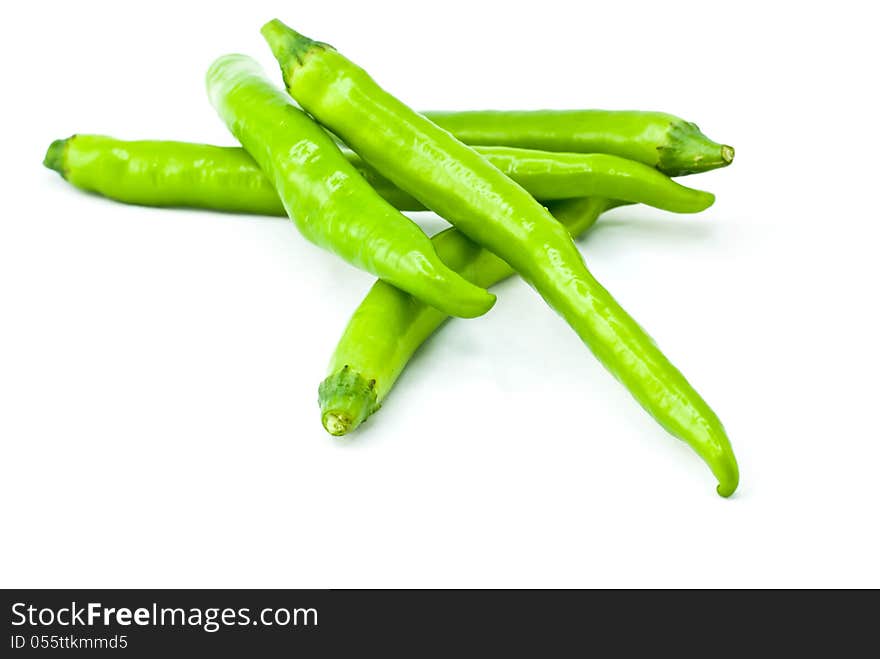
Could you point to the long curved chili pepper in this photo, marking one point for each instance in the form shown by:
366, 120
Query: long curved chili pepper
669, 143
166, 173
328, 200
475, 196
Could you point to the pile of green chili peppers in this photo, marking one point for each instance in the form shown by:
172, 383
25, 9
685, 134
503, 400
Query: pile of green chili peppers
342, 158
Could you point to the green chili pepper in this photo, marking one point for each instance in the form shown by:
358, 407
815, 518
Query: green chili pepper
389, 325
157, 173
330, 203
672, 145
550, 176
164, 173
462, 186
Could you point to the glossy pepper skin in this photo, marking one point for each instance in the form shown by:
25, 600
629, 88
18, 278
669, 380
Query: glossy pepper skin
672, 145
550, 176
330, 203
496, 213
166, 173
389, 325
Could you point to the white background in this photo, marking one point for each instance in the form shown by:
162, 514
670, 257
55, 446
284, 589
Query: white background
158, 369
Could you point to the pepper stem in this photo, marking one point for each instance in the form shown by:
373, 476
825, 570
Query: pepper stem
55, 156
346, 398
288, 46
727, 153
689, 151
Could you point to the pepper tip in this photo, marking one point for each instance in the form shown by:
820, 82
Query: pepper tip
727, 487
